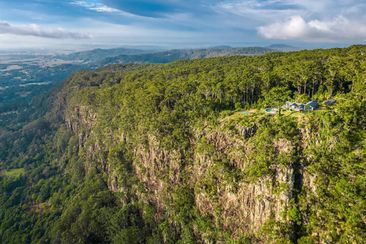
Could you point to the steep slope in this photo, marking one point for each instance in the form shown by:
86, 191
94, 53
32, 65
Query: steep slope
159, 153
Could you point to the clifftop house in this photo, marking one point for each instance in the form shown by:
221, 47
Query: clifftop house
310, 106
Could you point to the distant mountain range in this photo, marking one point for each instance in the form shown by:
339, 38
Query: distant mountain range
187, 54
283, 47
101, 57
96, 55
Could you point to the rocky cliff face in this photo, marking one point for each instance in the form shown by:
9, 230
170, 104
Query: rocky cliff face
225, 191
246, 204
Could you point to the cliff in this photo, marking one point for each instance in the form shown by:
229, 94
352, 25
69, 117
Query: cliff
221, 175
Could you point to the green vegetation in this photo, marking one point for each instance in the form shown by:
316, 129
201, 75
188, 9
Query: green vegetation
15, 173
277, 97
161, 154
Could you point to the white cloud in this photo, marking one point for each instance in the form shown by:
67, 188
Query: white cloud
104, 34
337, 29
98, 7
104, 9
38, 31
260, 9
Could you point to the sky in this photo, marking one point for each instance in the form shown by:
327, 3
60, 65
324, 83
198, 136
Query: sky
85, 24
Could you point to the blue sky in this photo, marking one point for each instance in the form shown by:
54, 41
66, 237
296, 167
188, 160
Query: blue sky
83, 24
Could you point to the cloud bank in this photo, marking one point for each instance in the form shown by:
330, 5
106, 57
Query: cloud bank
37, 31
296, 27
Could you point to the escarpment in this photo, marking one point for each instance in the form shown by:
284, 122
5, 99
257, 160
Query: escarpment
175, 141
233, 188
195, 152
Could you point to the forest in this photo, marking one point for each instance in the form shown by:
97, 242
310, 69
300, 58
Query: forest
160, 153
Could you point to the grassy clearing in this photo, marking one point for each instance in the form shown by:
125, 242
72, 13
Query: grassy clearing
256, 113
14, 173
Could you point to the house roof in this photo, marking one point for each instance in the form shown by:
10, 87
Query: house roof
302, 106
312, 103
330, 101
